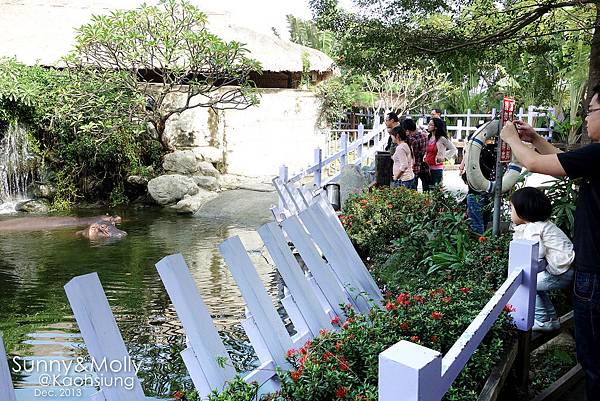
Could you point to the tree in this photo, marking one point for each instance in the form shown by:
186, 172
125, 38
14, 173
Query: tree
459, 33
166, 50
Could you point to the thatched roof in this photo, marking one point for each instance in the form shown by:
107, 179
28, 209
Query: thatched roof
43, 31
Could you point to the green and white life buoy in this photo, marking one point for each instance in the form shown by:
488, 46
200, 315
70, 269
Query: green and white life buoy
474, 176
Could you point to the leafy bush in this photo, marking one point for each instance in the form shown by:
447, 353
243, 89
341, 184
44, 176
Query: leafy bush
86, 125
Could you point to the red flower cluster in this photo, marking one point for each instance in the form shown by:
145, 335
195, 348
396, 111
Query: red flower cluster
415, 339
295, 374
404, 326
482, 239
336, 321
436, 315
465, 290
509, 308
391, 306
341, 392
403, 299
179, 396
446, 299
439, 291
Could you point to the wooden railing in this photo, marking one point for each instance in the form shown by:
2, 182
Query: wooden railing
358, 146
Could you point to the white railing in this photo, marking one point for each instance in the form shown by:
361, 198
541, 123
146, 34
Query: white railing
358, 146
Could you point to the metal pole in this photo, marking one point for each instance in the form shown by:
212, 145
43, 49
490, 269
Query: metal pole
498, 183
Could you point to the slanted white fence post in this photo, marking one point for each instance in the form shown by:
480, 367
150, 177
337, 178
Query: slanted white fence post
7, 391
102, 338
551, 117
303, 295
493, 113
319, 168
524, 255
361, 140
344, 146
270, 326
520, 115
283, 177
409, 372
204, 343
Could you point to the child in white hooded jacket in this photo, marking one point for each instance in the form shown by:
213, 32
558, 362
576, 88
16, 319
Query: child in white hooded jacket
530, 213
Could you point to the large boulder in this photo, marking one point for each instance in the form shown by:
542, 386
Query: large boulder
169, 189
209, 154
181, 162
46, 191
351, 180
190, 204
206, 182
33, 206
207, 168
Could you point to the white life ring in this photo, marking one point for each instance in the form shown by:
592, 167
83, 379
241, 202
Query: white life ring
475, 178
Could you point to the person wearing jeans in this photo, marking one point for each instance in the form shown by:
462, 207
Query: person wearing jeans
583, 163
439, 149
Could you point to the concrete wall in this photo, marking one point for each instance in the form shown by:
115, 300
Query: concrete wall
256, 141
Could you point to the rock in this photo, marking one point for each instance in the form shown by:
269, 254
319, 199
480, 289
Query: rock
33, 206
209, 154
191, 203
138, 180
168, 189
181, 162
209, 183
259, 184
46, 191
351, 180
206, 168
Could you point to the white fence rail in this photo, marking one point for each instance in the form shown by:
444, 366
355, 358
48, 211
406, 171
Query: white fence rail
358, 146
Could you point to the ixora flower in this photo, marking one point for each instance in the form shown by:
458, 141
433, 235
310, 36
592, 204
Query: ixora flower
465, 290
336, 321
341, 392
295, 374
509, 308
391, 306
291, 352
415, 339
179, 396
436, 315
482, 239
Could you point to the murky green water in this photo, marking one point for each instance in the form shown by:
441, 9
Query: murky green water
37, 321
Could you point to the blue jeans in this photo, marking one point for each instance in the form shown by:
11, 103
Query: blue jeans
586, 312
436, 179
475, 213
407, 184
544, 310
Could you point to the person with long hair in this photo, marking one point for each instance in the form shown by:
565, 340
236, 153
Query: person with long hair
439, 149
402, 169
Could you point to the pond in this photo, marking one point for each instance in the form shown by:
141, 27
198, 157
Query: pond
36, 319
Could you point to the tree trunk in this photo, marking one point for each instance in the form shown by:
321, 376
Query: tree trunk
164, 140
594, 74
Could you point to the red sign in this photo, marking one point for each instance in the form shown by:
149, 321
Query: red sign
508, 112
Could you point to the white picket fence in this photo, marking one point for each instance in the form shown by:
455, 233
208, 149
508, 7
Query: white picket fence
335, 276
358, 146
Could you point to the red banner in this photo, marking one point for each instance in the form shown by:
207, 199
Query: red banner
508, 112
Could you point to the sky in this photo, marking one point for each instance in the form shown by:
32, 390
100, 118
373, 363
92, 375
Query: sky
261, 15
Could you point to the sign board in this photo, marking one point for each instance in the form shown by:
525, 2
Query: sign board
508, 112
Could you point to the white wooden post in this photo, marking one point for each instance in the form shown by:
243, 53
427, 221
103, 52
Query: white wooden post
458, 135
283, 178
267, 320
524, 255
344, 146
102, 337
319, 163
293, 276
361, 140
520, 115
468, 123
7, 391
205, 345
322, 273
409, 372
328, 215
530, 115
493, 113
551, 117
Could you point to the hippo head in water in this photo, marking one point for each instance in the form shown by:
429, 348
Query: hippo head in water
102, 230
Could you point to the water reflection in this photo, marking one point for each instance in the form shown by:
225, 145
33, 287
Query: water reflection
37, 321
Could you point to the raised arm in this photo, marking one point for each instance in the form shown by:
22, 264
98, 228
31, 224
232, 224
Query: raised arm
528, 134
546, 163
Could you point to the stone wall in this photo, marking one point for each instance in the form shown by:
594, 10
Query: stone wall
256, 141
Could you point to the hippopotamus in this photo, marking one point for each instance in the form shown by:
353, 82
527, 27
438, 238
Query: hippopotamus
53, 223
102, 230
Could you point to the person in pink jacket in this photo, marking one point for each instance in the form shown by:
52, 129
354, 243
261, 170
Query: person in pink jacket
402, 169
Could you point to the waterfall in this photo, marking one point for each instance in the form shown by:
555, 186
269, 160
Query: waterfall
18, 167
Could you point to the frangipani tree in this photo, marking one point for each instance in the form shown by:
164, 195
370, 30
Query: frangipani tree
167, 50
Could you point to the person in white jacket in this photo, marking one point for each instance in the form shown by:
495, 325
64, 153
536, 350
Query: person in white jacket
530, 213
